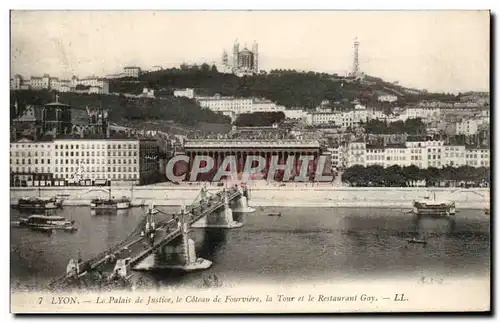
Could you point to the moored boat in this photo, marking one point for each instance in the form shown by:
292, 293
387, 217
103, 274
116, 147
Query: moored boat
434, 208
47, 222
111, 203
39, 203
419, 241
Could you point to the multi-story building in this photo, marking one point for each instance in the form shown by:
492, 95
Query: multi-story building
132, 160
423, 112
188, 93
72, 160
31, 163
234, 106
396, 154
477, 156
336, 156
93, 84
231, 105
324, 118
454, 155
468, 126
375, 155
259, 105
356, 153
421, 153
387, 98
296, 114
417, 153
434, 153
132, 71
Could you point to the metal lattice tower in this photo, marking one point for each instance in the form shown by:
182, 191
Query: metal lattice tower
355, 68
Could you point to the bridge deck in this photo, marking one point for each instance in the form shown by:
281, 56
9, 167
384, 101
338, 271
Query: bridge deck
138, 248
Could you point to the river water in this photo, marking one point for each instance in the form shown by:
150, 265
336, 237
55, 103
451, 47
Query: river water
303, 245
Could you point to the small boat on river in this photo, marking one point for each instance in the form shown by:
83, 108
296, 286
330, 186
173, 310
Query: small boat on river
414, 240
274, 214
47, 223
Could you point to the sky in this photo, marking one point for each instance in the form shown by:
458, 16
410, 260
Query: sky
445, 51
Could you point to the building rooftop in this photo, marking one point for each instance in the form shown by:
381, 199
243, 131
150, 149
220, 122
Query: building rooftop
395, 146
469, 147
375, 146
259, 143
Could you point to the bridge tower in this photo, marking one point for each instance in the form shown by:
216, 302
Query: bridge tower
240, 204
223, 217
180, 253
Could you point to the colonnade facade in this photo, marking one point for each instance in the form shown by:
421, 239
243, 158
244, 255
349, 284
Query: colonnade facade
218, 156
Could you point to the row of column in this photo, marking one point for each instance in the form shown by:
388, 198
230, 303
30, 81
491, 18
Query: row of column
219, 156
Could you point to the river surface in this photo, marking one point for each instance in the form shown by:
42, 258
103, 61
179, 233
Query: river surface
303, 245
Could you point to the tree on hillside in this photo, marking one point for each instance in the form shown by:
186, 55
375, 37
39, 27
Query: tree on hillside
259, 119
205, 67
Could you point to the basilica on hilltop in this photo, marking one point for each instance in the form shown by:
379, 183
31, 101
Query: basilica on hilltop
244, 62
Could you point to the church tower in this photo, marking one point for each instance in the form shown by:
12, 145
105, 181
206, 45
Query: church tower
225, 62
236, 54
255, 50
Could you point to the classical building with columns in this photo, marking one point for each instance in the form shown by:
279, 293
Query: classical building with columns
220, 149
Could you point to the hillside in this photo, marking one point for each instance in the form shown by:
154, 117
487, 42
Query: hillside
285, 87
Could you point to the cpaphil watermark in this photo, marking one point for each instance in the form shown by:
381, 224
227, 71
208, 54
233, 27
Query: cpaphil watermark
254, 168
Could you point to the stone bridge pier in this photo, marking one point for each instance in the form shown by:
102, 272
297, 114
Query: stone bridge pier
179, 253
223, 217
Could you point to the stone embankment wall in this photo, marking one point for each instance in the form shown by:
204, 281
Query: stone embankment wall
269, 195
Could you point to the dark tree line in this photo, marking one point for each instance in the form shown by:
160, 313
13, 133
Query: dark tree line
181, 110
259, 119
397, 176
410, 126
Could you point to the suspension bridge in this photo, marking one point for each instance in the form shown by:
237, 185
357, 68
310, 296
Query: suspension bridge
168, 240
